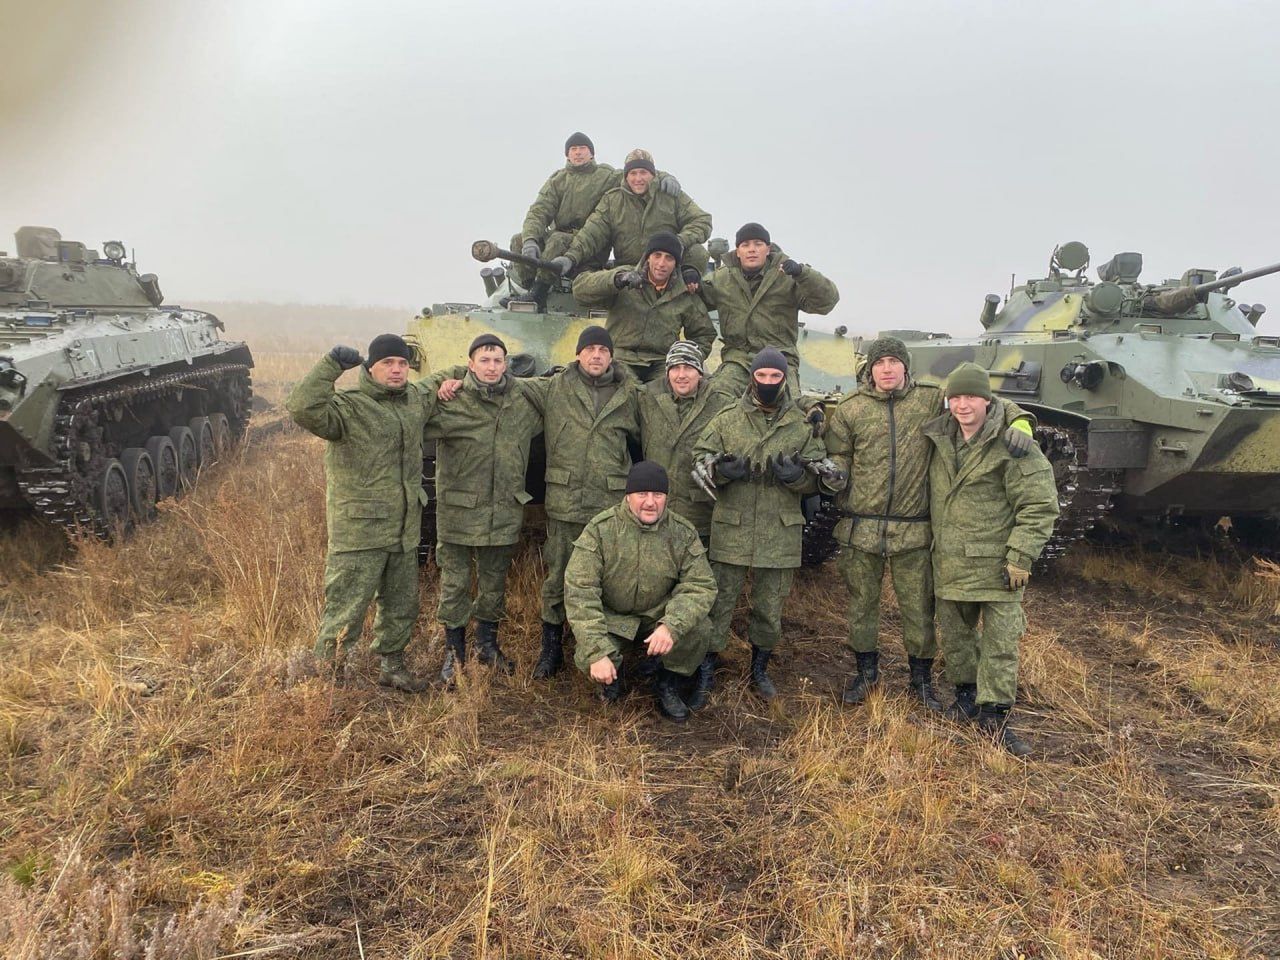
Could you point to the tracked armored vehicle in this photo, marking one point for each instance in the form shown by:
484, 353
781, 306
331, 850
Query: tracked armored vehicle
109, 400
1154, 399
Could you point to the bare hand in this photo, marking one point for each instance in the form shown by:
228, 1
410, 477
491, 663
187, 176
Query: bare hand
449, 389
660, 641
603, 671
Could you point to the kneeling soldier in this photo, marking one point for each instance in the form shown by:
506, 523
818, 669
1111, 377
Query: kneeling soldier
992, 514
639, 573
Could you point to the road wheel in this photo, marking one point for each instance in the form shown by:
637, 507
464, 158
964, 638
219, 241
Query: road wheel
140, 473
221, 429
184, 444
111, 498
203, 432
164, 456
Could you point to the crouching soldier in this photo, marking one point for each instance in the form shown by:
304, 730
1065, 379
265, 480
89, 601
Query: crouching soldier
639, 573
373, 501
992, 513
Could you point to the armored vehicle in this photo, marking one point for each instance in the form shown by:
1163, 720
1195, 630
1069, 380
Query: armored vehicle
109, 401
541, 342
1154, 399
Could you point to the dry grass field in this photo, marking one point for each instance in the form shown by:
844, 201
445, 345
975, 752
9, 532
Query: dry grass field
178, 784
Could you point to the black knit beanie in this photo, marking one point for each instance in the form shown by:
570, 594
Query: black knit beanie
667, 242
769, 359
486, 340
579, 140
594, 336
387, 345
750, 231
647, 477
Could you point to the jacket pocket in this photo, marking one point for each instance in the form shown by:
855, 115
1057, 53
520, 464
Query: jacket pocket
727, 515
366, 509
617, 483
461, 498
984, 549
792, 519
557, 475
523, 497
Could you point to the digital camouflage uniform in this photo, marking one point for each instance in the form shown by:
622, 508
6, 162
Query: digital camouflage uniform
757, 525
561, 208
988, 508
625, 220
763, 311
626, 577
373, 503
670, 426
645, 322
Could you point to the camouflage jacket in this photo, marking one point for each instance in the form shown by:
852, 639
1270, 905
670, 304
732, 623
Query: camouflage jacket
645, 322
758, 523
623, 575
769, 316
669, 428
482, 453
988, 508
373, 461
626, 220
567, 199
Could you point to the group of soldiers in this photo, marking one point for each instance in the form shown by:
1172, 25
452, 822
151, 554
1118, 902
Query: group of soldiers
668, 488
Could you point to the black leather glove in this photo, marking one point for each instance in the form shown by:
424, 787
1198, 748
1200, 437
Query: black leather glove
531, 248
788, 469
734, 468
628, 278
791, 268
670, 184
346, 357
563, 264
691, 275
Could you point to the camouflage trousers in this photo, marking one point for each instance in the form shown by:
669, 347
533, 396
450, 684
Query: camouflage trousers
643, 370
556, 551
353, 579
988, 654
769, 589
688, 651
912, 574
455, 561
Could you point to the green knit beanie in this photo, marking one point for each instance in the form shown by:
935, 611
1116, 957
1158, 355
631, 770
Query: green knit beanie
969, 380
882, 347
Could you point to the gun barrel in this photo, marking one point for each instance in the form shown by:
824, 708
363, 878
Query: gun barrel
486, 250
1181, 299
1223, 282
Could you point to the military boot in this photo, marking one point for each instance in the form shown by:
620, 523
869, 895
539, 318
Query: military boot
993, 720
611, 693
704, 680
396, 675
865, 680
551, 659
759, 677
922, 683
667, 695
455, 652
965, 707
537, 295
487, 650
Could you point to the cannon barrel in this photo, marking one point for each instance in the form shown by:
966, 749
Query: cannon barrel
1184, 298
486, 250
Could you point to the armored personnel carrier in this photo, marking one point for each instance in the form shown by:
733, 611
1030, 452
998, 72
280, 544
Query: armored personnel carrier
1154, 399
109, 400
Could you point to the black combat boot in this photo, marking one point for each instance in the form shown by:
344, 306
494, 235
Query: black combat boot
993, 720
396, 675
551, 659
759, 677
455, 652
865, 680
965, 707
487, 650
922, 683
667, 695
537, 294
611, 693
704, 680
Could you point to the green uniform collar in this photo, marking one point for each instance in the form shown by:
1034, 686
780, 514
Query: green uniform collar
488, 390
588, 167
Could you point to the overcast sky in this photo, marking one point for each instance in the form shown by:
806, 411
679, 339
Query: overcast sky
916, 153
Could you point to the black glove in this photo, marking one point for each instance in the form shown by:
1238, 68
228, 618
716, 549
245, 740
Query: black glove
788, 469
791, 268
563, 264
628, 278
734, 468
815, 419
691, 275
346, 357
670, 184
531, 249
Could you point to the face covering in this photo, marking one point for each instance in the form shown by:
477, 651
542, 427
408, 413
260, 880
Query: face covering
767, 393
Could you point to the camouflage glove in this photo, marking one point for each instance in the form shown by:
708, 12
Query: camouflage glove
346, 357
791, 268
816, 419
788, 469
670, 185
562, 264
628, 278
734, 468
690, 276
1015, 578
531, 249
1018, 438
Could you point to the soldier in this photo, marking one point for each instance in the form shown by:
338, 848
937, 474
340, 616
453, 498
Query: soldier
373, 467
876, 435
992, 514
648, 308
759, 293
482, 452
640, 573
757, 452
629, 214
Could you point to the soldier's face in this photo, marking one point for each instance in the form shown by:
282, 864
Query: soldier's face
684, 379
888, 373
647, 506
578, 155
638, 180
661, 264
970, 412
391, 372
752, 254
488, 364
595, 359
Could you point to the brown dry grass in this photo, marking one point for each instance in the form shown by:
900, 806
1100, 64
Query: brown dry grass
170, 764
